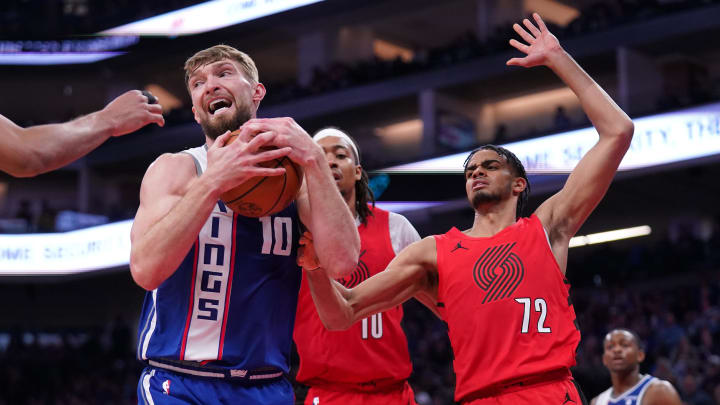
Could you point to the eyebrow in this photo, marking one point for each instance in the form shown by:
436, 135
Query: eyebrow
484, 163
215, 66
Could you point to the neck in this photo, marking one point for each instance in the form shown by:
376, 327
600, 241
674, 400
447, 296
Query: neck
492, 218
624, 380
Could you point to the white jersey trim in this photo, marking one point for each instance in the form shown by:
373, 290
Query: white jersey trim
153, 321
606, 396
146, 387
402, 233
200, 156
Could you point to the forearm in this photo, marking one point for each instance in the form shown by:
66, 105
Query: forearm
156, 254
55, 145
607, 117
330, 301
335, 234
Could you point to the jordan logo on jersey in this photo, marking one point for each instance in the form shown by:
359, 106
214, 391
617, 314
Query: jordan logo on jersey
568, 399
360, 274
459, 246
498, 272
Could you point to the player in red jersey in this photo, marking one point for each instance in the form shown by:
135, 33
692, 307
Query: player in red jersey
501, 285
368, 363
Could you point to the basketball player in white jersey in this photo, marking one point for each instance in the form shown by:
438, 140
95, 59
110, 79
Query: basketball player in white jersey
216, 325
622, 356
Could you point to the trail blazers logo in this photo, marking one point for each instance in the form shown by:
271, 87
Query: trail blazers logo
360, 274
498, 272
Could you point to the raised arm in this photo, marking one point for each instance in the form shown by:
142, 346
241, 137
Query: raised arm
413, 273
321, 207
27, 152
564, 213
175, 203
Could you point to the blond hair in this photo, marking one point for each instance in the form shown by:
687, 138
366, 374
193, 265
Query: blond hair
217, 53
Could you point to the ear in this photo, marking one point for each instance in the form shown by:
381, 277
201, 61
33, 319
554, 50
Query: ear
519, 185
640, 356
358, 172
197, 119
258, 94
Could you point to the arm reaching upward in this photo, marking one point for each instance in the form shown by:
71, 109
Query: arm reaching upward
27, 152
564, 213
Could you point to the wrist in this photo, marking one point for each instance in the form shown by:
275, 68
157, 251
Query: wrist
555, 57
103, 122
210, 186
316, 160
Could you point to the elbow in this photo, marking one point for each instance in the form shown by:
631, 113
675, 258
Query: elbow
342, 267
141, 276
625, 132
344, 263
27, 164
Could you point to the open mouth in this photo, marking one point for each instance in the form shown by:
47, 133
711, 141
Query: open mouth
219, 105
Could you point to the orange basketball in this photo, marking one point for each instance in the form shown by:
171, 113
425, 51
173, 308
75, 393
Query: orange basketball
261, 196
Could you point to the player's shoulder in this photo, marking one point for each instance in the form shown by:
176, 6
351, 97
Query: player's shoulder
661, 392
172, 161
421, 248
170, 170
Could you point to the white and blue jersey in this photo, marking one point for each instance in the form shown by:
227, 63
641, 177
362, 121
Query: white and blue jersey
633, 396
230, 306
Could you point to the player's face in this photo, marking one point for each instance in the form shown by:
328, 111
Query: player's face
223, 98
342, 163
488, 178
621, 352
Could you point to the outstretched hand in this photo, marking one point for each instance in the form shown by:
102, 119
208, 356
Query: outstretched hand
131, 111
541, 43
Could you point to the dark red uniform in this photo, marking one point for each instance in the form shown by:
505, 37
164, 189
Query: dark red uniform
511, 323
368, 363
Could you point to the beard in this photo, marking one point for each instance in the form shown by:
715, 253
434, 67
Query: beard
484, 197
215, 128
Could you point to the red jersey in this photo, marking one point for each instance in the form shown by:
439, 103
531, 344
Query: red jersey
373, 353
507, 306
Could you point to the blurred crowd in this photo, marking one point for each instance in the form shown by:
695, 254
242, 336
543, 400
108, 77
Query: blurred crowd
64, 18
599, 16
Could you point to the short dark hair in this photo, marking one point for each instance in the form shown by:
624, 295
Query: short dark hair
517, 167
635, 336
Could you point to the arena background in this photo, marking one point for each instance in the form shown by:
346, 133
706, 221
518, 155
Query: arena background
411, 80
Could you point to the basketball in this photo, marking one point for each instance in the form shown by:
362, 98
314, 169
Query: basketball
261, 196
